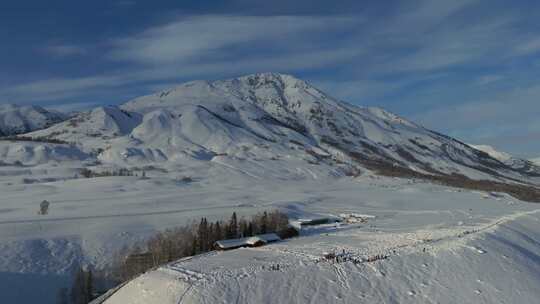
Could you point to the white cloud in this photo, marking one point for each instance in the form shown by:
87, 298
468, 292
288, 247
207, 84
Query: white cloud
196, 37
60, 88
487, 79
498, 114
427, 51
528, 46
65, 50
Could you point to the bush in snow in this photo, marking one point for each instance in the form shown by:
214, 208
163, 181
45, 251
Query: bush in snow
44, 207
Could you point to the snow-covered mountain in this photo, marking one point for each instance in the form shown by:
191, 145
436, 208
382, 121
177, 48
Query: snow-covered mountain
523, 165
15, 119
256, 143
498, 155
536, 161
271, 116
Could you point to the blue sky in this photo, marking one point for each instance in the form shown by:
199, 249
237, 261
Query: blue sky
468, 68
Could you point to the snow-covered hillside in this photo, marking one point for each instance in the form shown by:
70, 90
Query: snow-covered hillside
530, 167
496, 262
498, 155
34, 153
15, 119
271, 117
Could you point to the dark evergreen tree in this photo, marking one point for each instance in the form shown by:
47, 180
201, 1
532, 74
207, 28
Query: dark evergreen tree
264, 223
233, 227
89, 285
243, 227
219, 231
250, 230
79, 290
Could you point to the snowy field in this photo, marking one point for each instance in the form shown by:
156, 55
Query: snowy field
443, 245
500, 264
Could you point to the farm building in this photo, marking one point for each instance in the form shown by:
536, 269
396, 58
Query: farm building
253, 241
301, 223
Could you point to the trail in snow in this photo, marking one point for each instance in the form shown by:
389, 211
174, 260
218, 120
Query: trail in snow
452, 239
89, 217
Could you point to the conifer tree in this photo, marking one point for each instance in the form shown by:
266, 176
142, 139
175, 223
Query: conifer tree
89, 286
233, 226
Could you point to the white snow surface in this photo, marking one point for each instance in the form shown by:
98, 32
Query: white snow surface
92, 219
250, 144
15, 119
34, 153
497, 264
523, 165
502, 156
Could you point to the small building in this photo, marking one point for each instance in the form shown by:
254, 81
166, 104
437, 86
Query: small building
252, 241
301, 223
143, 260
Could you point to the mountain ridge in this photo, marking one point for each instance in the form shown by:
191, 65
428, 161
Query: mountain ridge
271, 116
16, 119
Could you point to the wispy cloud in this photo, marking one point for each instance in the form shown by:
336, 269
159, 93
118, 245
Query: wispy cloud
528, 46
64, 50
506, 117
468, 59
196, 38
487, 79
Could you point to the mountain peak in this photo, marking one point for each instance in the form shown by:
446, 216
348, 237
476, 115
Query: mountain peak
279, 80
238, 116
17, 119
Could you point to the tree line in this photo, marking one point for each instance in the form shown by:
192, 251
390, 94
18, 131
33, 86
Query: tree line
82, 289
196, 238
87, 173
40, 139
170, 245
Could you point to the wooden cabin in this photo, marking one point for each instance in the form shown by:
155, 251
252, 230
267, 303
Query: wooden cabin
252, 241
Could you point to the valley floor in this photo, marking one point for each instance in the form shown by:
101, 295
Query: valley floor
444, 245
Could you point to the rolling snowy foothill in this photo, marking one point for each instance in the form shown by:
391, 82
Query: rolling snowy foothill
426, 218
15, 119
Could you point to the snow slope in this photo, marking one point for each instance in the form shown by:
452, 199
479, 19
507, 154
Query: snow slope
528, 166
93, 129
501, 156
15, 119
92, 219
492, 262
34, 153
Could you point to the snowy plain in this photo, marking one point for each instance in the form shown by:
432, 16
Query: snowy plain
91, 219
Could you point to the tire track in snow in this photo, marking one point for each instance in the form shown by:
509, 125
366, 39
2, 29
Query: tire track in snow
236, 169
89, 217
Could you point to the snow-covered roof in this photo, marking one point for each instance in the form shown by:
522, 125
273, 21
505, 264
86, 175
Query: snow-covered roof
248, 241
269, 237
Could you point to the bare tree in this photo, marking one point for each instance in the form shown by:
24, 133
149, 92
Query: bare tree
44, 207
